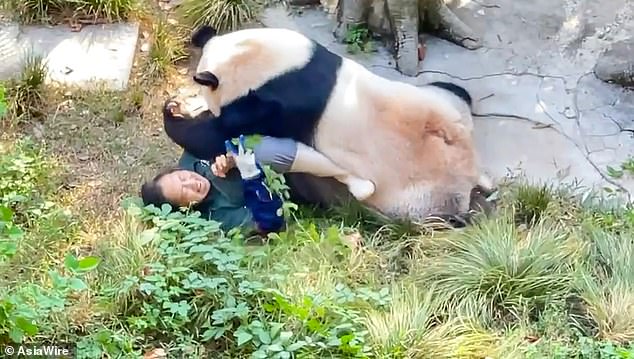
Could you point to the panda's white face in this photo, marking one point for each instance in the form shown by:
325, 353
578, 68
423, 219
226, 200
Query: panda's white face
247, 59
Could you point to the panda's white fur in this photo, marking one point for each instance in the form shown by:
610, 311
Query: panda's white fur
241, 64
414, 143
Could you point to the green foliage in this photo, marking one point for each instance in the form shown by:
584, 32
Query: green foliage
223, 15
3, 100
504, 268
25, 93
627, 167
275, 182
203, 288
358, 39
25, 311
10, 234
606, 284
55, 11
28, 220
559, 338
548, 275
25, 179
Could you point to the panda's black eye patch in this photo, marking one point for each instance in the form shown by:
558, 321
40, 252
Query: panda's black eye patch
206, 78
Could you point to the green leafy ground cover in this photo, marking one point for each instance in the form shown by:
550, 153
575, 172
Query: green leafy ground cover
549, 275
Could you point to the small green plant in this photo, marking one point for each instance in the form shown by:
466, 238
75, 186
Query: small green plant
204, 288
10, 234
25, 94
223, 15
3, 100
358, 39
627, 167
24, 311
110, 10
531, 202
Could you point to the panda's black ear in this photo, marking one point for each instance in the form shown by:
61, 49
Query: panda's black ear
206, 78
202, 35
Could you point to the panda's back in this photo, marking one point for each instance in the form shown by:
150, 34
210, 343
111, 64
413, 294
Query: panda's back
303, 93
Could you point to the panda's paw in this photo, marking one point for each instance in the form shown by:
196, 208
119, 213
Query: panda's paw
361, 189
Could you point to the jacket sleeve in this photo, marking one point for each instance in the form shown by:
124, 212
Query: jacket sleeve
263, 205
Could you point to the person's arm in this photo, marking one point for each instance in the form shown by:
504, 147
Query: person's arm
265, 207
285, 155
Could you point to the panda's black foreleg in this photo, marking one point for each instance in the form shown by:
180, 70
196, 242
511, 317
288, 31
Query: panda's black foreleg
250, 115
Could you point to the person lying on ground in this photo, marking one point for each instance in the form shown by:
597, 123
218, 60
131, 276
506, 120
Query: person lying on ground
240, 199
201, 134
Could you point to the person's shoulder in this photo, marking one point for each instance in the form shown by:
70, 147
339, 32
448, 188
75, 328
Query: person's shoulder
187, 160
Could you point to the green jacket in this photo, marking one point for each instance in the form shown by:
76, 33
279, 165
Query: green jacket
225, 202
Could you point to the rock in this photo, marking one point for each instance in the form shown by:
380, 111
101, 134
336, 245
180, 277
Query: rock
617, 63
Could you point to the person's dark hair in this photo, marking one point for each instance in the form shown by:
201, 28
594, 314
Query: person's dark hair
151, 191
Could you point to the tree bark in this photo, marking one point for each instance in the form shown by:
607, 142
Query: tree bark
350, 13
400, 22
404, 20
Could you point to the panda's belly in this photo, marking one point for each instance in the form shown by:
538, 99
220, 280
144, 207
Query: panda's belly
347, 133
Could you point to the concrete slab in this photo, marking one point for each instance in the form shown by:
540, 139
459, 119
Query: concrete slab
98, 54
536, 67
562, 162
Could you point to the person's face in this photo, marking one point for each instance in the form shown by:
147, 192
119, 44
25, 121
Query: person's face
184, 187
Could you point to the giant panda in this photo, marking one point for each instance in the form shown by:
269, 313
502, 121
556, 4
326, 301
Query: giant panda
414, 143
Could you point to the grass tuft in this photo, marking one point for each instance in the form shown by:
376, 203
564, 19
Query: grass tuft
26, 93
411, 327
167, 48
69, 11
223, 15
502, 267
607, 285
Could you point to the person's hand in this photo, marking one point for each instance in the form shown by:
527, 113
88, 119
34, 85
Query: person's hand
223, 164
244, 158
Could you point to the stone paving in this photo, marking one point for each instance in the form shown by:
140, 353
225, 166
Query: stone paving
98, 54
541, 110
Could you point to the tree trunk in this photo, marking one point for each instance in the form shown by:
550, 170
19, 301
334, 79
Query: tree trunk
400, 22
350, 13
404, 20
